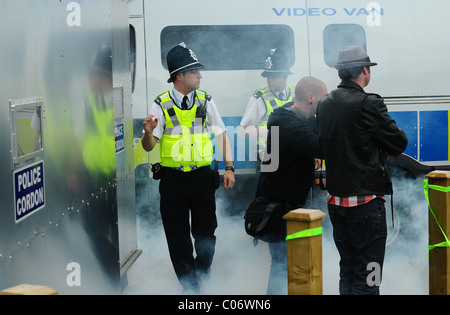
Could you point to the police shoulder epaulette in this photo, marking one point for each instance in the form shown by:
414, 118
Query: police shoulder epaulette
207, 96
159, 98
258, 94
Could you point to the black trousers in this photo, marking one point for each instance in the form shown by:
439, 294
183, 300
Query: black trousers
188, 204
360, 236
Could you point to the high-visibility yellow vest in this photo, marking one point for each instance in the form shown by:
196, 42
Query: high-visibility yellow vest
186, 143
98, 148
272, 102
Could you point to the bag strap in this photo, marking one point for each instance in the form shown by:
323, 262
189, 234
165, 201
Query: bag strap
269, 210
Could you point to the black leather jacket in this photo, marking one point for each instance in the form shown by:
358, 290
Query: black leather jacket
355, 133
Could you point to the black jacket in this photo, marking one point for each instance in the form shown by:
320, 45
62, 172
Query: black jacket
298, 146
355, 133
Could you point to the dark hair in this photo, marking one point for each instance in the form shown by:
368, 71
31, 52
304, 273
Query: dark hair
174, 77
349, 74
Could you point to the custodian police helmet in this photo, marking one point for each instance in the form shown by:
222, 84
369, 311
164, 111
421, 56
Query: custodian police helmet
181, 59
277, 64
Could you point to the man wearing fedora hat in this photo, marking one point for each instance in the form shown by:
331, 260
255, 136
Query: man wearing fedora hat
357, 136
182, 120
265, 100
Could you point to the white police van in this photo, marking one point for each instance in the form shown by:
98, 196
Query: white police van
408, 39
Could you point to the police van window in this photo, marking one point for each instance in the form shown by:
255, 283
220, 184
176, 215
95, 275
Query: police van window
337, 36
230, 47
133, 56
26, 118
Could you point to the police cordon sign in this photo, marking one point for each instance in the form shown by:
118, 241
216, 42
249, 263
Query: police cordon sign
119, 136
29, 190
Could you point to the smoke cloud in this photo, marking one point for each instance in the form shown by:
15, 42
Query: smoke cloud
406, 262
240, 268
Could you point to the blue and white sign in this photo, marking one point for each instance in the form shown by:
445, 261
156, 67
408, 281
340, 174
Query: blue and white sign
119, 135
29, 190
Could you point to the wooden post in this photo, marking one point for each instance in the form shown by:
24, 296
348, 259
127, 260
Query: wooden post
304, 255
439, 257
28, 289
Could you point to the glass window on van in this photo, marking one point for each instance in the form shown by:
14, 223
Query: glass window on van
26, 118
230, 47
338, 36
133, 56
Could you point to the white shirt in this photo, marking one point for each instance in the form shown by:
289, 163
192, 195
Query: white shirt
213, 120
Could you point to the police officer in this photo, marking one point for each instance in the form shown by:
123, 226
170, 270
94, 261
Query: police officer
181, 120
265, 100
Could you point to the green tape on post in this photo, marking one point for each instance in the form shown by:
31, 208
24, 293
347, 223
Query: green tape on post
305, 233
426, 186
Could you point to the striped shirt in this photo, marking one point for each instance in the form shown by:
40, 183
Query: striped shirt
351, 201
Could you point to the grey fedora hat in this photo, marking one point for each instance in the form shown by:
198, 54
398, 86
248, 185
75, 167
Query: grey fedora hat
353, 57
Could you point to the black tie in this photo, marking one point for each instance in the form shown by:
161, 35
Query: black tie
184, 104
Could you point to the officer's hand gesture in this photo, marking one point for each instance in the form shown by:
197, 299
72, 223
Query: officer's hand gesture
150, 123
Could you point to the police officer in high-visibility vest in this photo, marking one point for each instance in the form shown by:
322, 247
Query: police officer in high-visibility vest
181, 120
266, 99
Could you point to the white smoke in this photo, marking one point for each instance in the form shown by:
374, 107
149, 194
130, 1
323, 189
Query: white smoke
242, 269
238, 267
406, 262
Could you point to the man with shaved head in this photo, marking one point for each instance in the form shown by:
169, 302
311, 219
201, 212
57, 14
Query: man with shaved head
298, 144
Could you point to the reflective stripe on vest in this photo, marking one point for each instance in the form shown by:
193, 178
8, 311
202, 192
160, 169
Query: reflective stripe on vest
185, 143
272, 102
